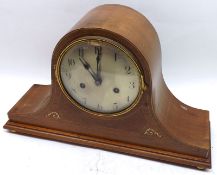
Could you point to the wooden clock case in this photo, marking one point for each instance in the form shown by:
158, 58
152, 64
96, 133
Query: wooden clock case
160, 127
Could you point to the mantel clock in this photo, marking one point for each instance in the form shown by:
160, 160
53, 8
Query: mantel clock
108, 92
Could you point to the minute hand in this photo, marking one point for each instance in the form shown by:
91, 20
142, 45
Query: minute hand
98, 64
88, 68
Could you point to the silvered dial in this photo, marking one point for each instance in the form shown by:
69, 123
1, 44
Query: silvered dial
100, 76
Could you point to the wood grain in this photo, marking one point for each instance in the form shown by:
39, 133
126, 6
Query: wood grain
159, 127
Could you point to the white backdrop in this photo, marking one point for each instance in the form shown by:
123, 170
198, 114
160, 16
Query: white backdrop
29, 30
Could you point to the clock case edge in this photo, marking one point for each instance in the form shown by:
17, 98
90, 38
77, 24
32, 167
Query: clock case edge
19, 121
109, 145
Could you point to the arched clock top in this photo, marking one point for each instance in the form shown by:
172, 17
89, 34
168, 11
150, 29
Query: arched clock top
121, 105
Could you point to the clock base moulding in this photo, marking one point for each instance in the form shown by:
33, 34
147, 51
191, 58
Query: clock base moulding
159, 127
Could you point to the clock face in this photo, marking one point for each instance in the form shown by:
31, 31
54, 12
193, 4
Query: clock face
100, 76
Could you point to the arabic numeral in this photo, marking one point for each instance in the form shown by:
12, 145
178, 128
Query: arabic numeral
68, 74
127, 69
81, 52
116, 56
99, 107
128, 98
132, 85
71, 61
98, 50
84, 101
74, 90
115, 106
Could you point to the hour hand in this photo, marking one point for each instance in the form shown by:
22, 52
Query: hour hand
88, 68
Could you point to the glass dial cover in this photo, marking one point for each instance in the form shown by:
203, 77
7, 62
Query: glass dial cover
100, 76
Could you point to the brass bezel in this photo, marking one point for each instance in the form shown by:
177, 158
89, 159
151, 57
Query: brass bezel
142, 85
